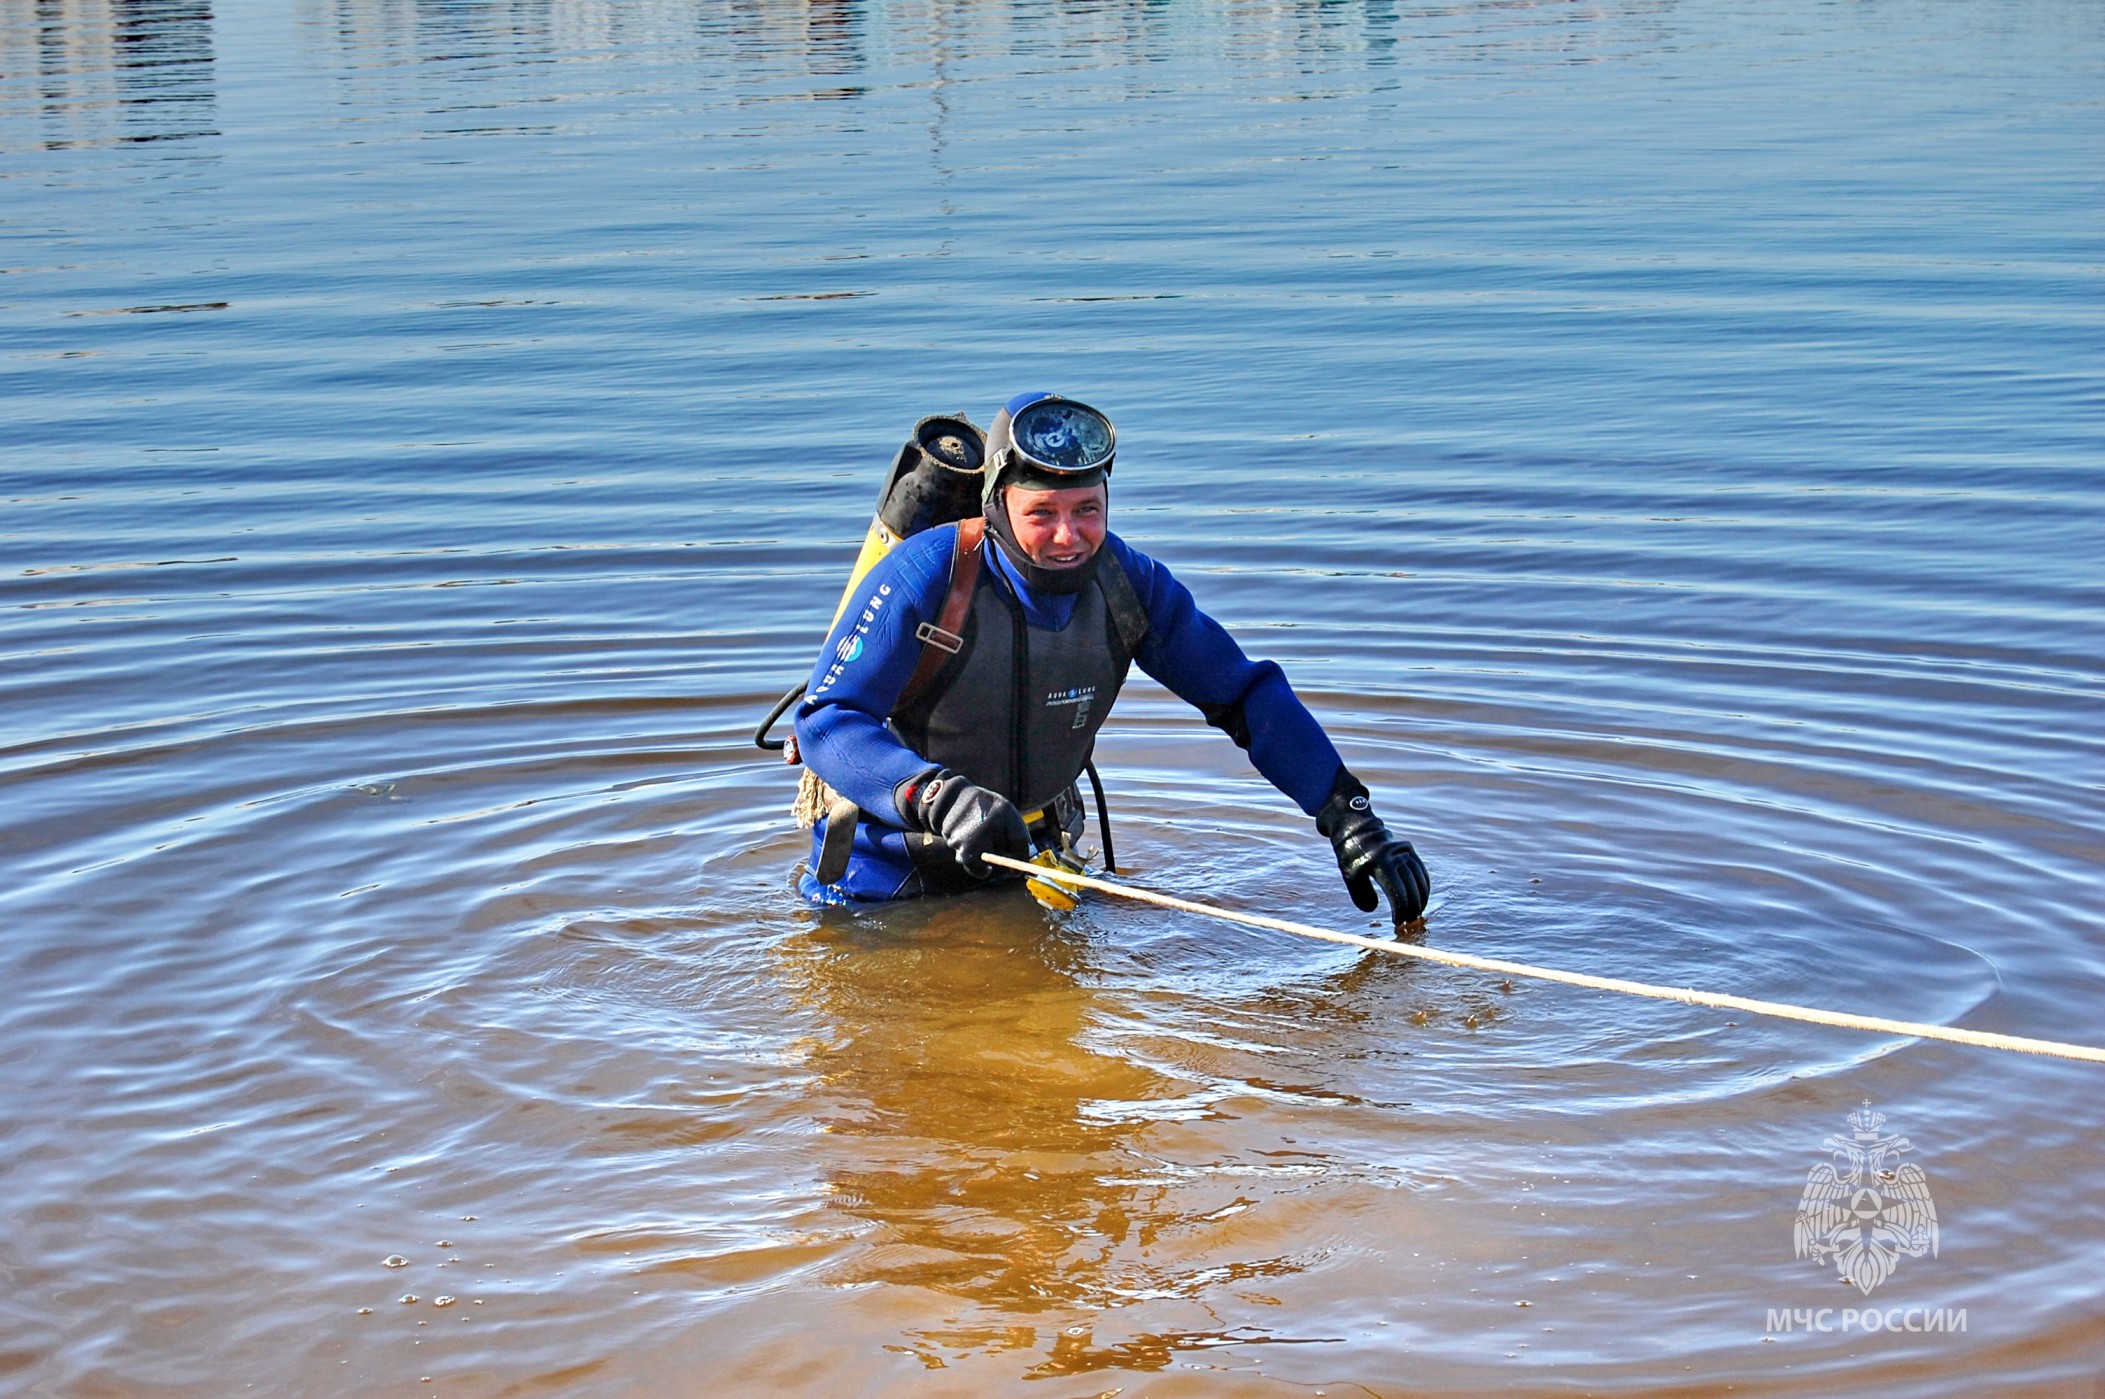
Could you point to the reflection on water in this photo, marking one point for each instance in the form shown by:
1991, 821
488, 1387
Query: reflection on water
102, 72
822, 38
1000, 1144
956, 1066
764, 45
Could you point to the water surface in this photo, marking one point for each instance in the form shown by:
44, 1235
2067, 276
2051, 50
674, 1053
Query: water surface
1661, 441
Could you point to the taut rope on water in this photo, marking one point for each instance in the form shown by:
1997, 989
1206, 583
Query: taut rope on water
1688, 996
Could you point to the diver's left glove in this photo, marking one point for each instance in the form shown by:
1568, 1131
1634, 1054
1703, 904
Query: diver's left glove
971, 820
1369, 856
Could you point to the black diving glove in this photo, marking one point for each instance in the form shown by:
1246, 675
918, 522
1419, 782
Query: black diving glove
971, 820
1369, 856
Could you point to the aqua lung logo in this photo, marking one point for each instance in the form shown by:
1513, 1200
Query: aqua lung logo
1081, 697
850, 646
1866, 1209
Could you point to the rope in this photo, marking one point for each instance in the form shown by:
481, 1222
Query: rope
1686, 995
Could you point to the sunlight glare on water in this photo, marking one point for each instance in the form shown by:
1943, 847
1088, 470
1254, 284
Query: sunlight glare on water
1661, 442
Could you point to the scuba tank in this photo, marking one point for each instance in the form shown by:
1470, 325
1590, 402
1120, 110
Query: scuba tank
935, 480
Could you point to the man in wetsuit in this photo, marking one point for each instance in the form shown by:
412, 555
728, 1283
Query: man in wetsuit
958, 697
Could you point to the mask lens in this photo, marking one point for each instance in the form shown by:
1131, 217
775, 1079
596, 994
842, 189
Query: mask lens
1062, 435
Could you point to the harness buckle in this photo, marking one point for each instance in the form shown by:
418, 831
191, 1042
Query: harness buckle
934, 635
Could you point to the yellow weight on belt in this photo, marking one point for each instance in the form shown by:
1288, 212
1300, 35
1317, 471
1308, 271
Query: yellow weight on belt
1057, 897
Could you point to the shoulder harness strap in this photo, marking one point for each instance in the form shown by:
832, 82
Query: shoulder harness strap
1128, 617
945, 637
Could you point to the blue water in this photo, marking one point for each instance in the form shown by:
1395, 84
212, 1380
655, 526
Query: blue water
1661, 441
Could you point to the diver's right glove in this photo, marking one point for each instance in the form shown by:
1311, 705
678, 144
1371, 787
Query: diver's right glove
971, 820
1368, 855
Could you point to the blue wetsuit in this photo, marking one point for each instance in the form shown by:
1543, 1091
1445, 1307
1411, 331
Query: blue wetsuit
844, 738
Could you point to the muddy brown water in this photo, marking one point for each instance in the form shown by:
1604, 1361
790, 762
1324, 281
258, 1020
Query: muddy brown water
1662, 443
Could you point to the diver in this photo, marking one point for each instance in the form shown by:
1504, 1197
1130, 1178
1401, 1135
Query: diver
958, 696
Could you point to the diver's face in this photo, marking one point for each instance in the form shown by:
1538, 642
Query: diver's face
1059, 529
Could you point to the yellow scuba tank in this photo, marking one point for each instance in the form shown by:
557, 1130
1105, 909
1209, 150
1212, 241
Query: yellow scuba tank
934, 480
